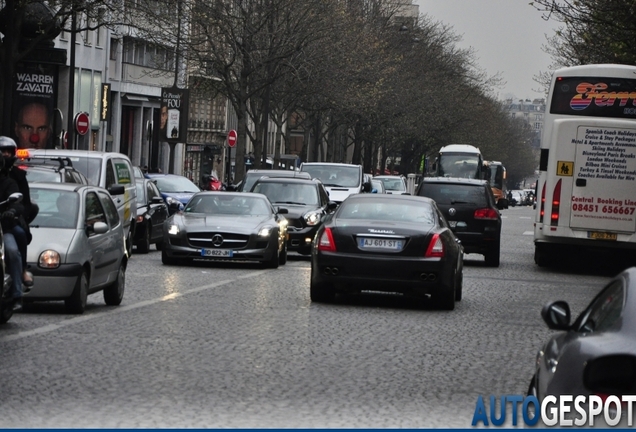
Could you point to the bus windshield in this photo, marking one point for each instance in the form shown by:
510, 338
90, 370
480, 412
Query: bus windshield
459, 165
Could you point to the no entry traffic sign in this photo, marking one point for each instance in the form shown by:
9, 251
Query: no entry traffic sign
231, 138
82, 123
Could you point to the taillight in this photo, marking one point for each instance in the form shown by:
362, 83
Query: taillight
486, 213
542, 208
326, 243
435, 247
556, 202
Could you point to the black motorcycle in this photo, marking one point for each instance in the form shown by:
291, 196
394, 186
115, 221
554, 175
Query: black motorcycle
6, 301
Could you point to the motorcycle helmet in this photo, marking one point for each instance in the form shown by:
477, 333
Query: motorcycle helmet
9, 145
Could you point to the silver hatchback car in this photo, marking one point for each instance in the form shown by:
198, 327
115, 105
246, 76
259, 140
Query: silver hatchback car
78, 246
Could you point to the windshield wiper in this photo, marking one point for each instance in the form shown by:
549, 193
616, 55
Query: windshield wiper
332, 185
461, 202
289, 202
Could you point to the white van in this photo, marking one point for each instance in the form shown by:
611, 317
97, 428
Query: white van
340, 180
112, 171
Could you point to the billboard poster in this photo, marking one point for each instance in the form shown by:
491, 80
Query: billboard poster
173, 124
34, 99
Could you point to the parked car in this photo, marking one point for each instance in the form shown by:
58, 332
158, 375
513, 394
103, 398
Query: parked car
176, 190
307, 203
394, 184
51, 170
110, 170
252, 175
387, 243
596, 354
78, 246
152, 212
227, 226
470, 209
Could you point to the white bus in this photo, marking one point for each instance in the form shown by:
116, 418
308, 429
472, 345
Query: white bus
459, 160
586, 193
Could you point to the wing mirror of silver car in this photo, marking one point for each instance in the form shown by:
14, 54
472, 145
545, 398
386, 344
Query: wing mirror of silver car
557, 315
100, 228
282, 210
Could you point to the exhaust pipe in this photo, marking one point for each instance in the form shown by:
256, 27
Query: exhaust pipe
331, 270
429, 277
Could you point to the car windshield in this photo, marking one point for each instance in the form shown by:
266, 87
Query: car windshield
393, 184
58, 209
335, 175
385, 210
454, 194
35, 175
90, 167
226, 204
288, 193
174, 184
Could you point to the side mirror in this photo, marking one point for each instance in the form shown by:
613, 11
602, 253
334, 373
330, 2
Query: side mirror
15, 197
100, 228
374, 190
282, 210
556, 315
366, 187
157, 200
405, 193
116, 190
332, 206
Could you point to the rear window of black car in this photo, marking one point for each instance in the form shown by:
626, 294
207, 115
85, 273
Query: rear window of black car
382, 210
453, 194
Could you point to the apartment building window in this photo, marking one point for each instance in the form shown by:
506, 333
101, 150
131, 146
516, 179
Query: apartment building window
537, 126
88, 34
114, 48
129, 50
141, 53
538, 117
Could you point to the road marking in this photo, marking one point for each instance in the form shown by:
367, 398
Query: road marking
528, 233
525, 217
52, 327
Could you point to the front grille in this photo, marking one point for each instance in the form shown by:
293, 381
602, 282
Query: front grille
230, 240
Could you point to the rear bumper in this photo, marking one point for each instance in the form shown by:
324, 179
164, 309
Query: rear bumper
409, 276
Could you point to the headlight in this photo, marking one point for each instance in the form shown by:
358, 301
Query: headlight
265, 231
312, 218
174, 230
49, 259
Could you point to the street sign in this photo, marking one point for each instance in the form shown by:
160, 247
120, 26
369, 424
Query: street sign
231, 138
82, 123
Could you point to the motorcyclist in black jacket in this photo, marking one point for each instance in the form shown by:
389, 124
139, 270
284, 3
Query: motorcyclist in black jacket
9, 218
21, 231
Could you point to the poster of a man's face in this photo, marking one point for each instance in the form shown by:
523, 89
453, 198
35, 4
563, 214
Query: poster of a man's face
164, 118
33, 126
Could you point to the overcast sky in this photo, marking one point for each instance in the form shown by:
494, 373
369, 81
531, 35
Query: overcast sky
507, 36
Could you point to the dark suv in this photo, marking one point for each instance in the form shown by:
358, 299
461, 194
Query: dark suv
307, 202
51, 170
471, 212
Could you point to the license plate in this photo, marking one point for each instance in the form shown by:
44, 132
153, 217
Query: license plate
374, 243
227, 253
599, 235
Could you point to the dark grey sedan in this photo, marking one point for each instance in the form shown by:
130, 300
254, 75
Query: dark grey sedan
595, 355
226, 226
